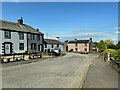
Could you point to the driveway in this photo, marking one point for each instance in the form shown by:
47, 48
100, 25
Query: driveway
62, 72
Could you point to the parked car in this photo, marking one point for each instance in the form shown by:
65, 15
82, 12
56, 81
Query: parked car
57, 51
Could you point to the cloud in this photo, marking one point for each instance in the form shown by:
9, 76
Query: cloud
117, 28
117, 32
82, 34
97, 36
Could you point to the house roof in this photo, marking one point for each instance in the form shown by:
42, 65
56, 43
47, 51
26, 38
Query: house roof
7, 25
79, 41
52, 41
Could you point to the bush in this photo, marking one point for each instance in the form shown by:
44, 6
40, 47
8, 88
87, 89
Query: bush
112, 51
117, 55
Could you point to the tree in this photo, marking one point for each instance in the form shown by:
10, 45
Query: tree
102, 46
118, 45
66, 41
117, 56
110, 44
96, 43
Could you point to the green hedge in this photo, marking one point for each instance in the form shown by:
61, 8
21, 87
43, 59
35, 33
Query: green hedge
117, 55
112, 51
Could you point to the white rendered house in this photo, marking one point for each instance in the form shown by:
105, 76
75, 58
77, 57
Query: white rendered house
51, 44
15, 38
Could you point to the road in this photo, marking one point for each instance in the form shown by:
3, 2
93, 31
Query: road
63, 72
101, 75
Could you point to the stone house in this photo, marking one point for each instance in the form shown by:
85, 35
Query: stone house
83, 46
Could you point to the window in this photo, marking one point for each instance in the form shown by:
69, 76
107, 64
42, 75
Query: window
33, 46
7, 34
85, 49
21, 36
39, 47
45, 45
21, 46
57, 45
76, 49
38, 37
32, 37
51, 45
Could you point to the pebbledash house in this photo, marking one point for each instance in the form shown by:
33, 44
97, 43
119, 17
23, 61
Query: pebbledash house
17, 38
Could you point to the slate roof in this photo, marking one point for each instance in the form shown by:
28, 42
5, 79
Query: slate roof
7, 25
52, 41
79, 41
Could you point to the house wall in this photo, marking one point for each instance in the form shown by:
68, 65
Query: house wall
0, 41
80, 47
71, 46
15, 40
49, 46
35, 41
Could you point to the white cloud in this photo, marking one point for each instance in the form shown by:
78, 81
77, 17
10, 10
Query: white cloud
97, 36
81, 34
118, 32
117, 28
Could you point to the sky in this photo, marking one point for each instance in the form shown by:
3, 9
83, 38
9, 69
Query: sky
67, 20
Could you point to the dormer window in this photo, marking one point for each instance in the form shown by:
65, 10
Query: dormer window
7, 34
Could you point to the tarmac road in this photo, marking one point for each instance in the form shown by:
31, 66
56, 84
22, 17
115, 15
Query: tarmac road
62, 72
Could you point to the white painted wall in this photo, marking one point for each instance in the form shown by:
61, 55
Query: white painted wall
15, 40
34, 41
1, 41
49, 46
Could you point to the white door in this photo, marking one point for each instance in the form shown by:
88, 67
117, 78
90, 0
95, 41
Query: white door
7, 48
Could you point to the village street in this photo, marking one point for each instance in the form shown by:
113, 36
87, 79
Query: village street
68, 71
62, 72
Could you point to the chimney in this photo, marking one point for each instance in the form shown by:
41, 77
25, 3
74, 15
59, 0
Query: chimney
37, 29
75, 39
90, 39
20, 21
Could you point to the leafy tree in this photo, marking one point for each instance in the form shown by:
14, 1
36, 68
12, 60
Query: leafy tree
110, 44
96, 43
102, 46
66, 41
118, 45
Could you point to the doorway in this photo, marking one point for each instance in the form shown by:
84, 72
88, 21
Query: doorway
7, 48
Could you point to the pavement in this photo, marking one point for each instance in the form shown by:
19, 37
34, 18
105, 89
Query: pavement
68, 71
101, 75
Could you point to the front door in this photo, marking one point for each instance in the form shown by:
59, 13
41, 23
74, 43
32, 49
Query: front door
7, 49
